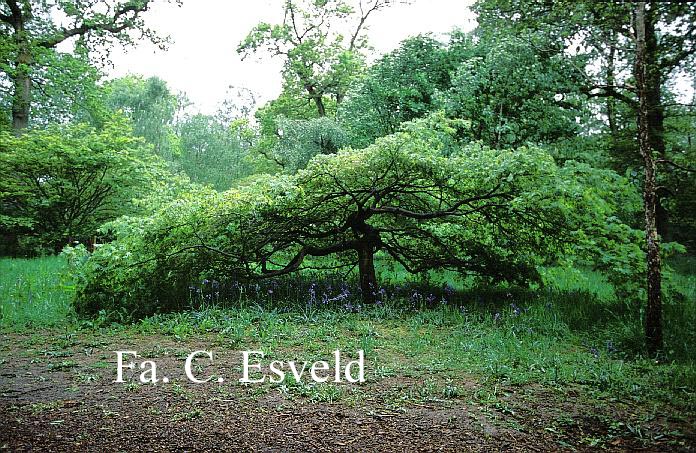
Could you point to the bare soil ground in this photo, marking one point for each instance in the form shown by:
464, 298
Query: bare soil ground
57, 394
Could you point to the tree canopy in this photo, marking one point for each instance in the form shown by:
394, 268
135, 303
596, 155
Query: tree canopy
321, 44
60, 184
496, 214
31, 33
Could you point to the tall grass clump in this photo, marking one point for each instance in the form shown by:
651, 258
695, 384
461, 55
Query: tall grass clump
35, 292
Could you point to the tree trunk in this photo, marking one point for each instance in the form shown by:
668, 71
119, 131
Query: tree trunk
655, 113
21, 101
318, 100
644, 76
611, 80
321, 109
368, 277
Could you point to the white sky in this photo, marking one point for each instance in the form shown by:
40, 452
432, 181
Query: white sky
203, 62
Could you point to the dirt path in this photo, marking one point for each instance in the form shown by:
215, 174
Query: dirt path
57, 394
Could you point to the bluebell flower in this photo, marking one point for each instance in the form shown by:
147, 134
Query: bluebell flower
515, 309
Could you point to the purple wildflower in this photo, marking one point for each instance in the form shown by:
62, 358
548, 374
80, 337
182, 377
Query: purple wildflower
515, 309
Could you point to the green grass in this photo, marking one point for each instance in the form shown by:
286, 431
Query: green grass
683, 276
680, 308
436, 347
571, 333
34, 292
565, 279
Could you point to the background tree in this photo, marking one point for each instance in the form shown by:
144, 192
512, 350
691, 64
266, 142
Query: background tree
602, 32
321, 44
399, 87
62, 183
65, 88
643, 72
29, 36
680, 130
608, 33
515, 94
300, 140
211, 152
287, 107
152, 108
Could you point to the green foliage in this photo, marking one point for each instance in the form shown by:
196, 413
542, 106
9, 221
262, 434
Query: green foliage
290, 108
320, 59
61, 183
399, 87
681, 202
515, 94
30, 33
151, 107
598, 39
297, 141
497, 214
130, 268
608, 244
211, 152
69, 90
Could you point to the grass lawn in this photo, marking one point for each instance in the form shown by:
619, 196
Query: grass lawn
558, 367
34, 292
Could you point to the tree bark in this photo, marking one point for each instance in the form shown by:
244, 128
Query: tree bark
321, 109
318, 100
21, 101
611, 80
368, 276
644, 74
21, 98
368, 241
655, 113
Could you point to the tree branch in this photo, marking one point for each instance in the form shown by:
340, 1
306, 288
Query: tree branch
111, 26
675, 165
442, 213
673, 61
296, 262
363, 18
610, 91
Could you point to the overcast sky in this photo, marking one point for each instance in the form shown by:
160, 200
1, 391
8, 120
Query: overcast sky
203, 63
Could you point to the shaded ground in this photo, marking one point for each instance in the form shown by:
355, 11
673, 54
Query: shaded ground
57, 394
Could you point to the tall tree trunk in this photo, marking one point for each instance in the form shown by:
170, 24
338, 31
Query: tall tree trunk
644, 76
655, 113
368, 276
611, 80
21, 100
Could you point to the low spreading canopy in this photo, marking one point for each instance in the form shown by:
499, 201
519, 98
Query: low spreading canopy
496, 214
